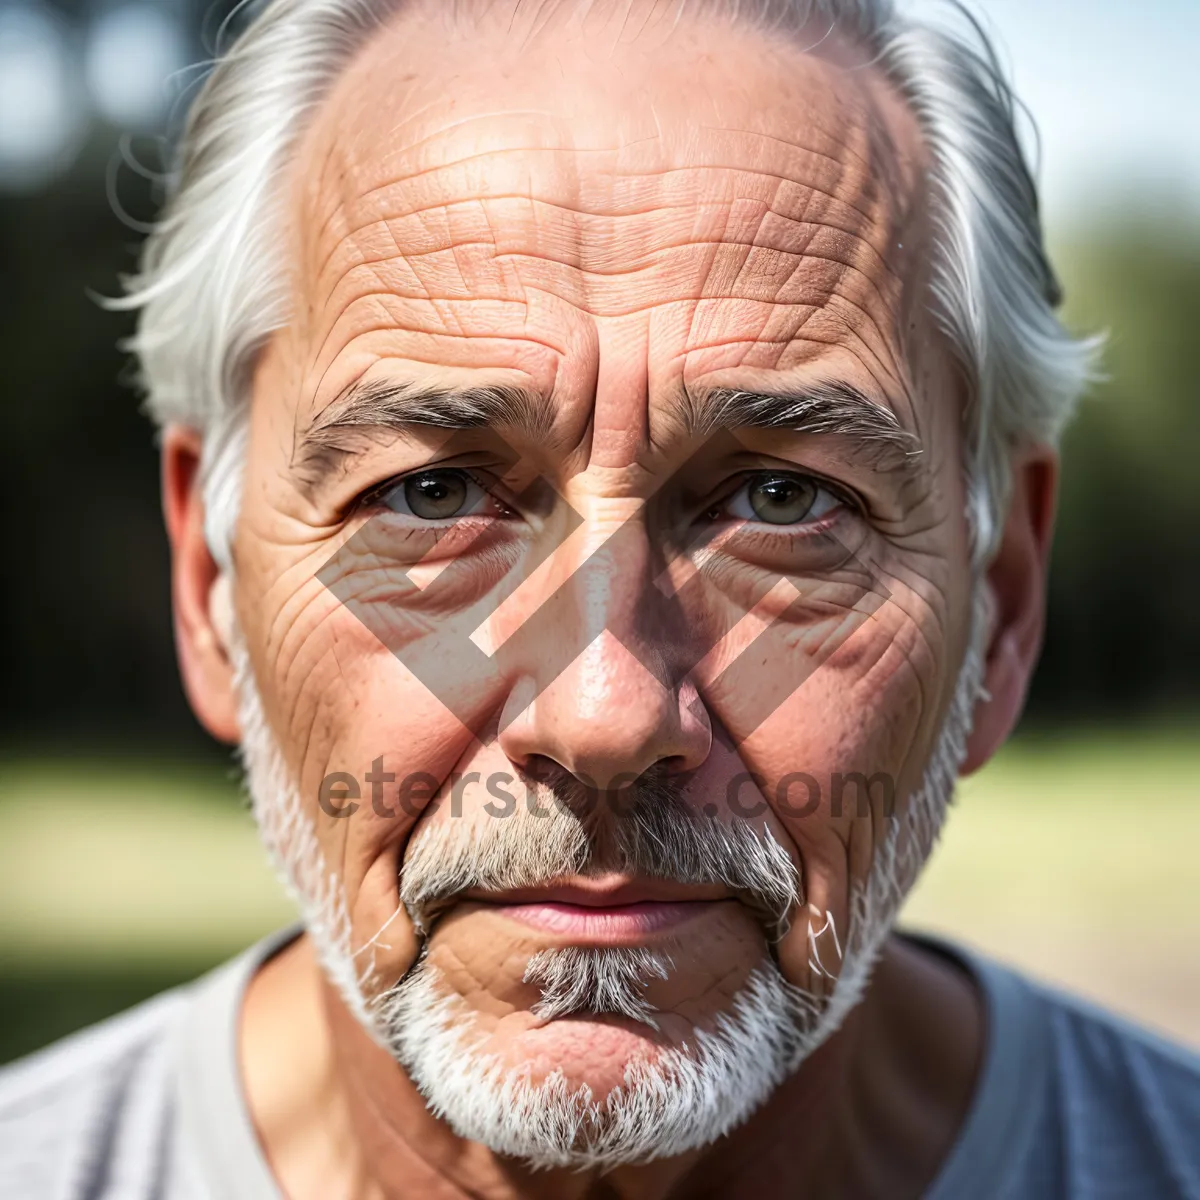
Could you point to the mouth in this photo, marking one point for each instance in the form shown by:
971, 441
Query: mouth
604, 912
609, 926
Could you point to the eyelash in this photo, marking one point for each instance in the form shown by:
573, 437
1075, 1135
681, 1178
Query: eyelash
376, 495
844, 497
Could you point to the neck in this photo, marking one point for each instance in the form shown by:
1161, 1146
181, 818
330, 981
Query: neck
877, 1103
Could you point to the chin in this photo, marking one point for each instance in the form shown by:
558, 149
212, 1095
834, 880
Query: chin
577, 1090
596, 1052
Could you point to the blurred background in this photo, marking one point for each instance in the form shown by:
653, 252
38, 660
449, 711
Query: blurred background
127, 860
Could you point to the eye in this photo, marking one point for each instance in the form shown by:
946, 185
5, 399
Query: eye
778, 499
436, 495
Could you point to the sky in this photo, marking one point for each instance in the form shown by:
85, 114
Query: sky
1114, 86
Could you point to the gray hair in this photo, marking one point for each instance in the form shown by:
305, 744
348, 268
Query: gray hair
212, 288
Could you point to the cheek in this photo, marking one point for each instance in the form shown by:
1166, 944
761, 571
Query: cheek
369, 744
377, 690
835, 728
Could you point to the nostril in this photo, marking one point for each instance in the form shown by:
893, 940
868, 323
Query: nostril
567, 782
547, 771
673, 764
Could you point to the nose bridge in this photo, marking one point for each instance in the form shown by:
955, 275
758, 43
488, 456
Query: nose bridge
601, 707
609, 586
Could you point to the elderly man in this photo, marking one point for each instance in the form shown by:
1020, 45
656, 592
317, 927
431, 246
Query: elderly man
608, 454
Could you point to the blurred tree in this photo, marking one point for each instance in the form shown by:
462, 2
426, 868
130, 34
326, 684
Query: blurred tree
1123, 635
84, 593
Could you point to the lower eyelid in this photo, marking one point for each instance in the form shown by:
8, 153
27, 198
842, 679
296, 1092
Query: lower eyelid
825, 495
377, 497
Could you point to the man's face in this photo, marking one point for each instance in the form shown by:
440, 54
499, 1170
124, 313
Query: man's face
703, 523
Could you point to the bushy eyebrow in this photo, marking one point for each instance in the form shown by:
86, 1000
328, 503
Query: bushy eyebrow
365, 409
872, 432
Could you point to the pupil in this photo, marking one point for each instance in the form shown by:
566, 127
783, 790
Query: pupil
782, 501
436, 494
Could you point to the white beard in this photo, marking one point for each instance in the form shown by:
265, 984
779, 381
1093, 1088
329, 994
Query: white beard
683, 1098
680, 1100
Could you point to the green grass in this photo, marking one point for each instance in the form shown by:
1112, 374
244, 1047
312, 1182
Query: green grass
1059, 831
104, 864
1073, 856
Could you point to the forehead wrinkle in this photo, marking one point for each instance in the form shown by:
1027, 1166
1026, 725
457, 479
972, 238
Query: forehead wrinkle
422, 170
623, 190
625, 272
433, 139
862, 206
873, 362
622, 212
899, 394
415, 320
598, 238
430, 347
807, 314
423, 174
471, 315
437, 332
814, 114
859, 256
782, 344
628, 176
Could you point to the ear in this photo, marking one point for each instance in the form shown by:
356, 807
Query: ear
1016, 580
200, 592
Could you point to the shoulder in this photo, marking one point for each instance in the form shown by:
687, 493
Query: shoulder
1126, 1082
112, 1111
1093, 1106
98, 1099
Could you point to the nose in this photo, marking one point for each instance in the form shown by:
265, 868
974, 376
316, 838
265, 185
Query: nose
606, 719
613, 711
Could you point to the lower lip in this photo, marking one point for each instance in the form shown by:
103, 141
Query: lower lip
619, 923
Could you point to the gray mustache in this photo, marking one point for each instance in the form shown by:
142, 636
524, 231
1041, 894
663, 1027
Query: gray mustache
651, 832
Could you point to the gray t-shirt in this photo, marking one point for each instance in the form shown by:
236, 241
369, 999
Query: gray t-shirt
1071, 1103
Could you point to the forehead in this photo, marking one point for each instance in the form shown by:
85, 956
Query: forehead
706, 199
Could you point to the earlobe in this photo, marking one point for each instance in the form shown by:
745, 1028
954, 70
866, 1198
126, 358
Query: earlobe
1016, 581
201, 595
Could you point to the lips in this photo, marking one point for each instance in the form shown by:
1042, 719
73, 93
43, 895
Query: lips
604, 912
606, 926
